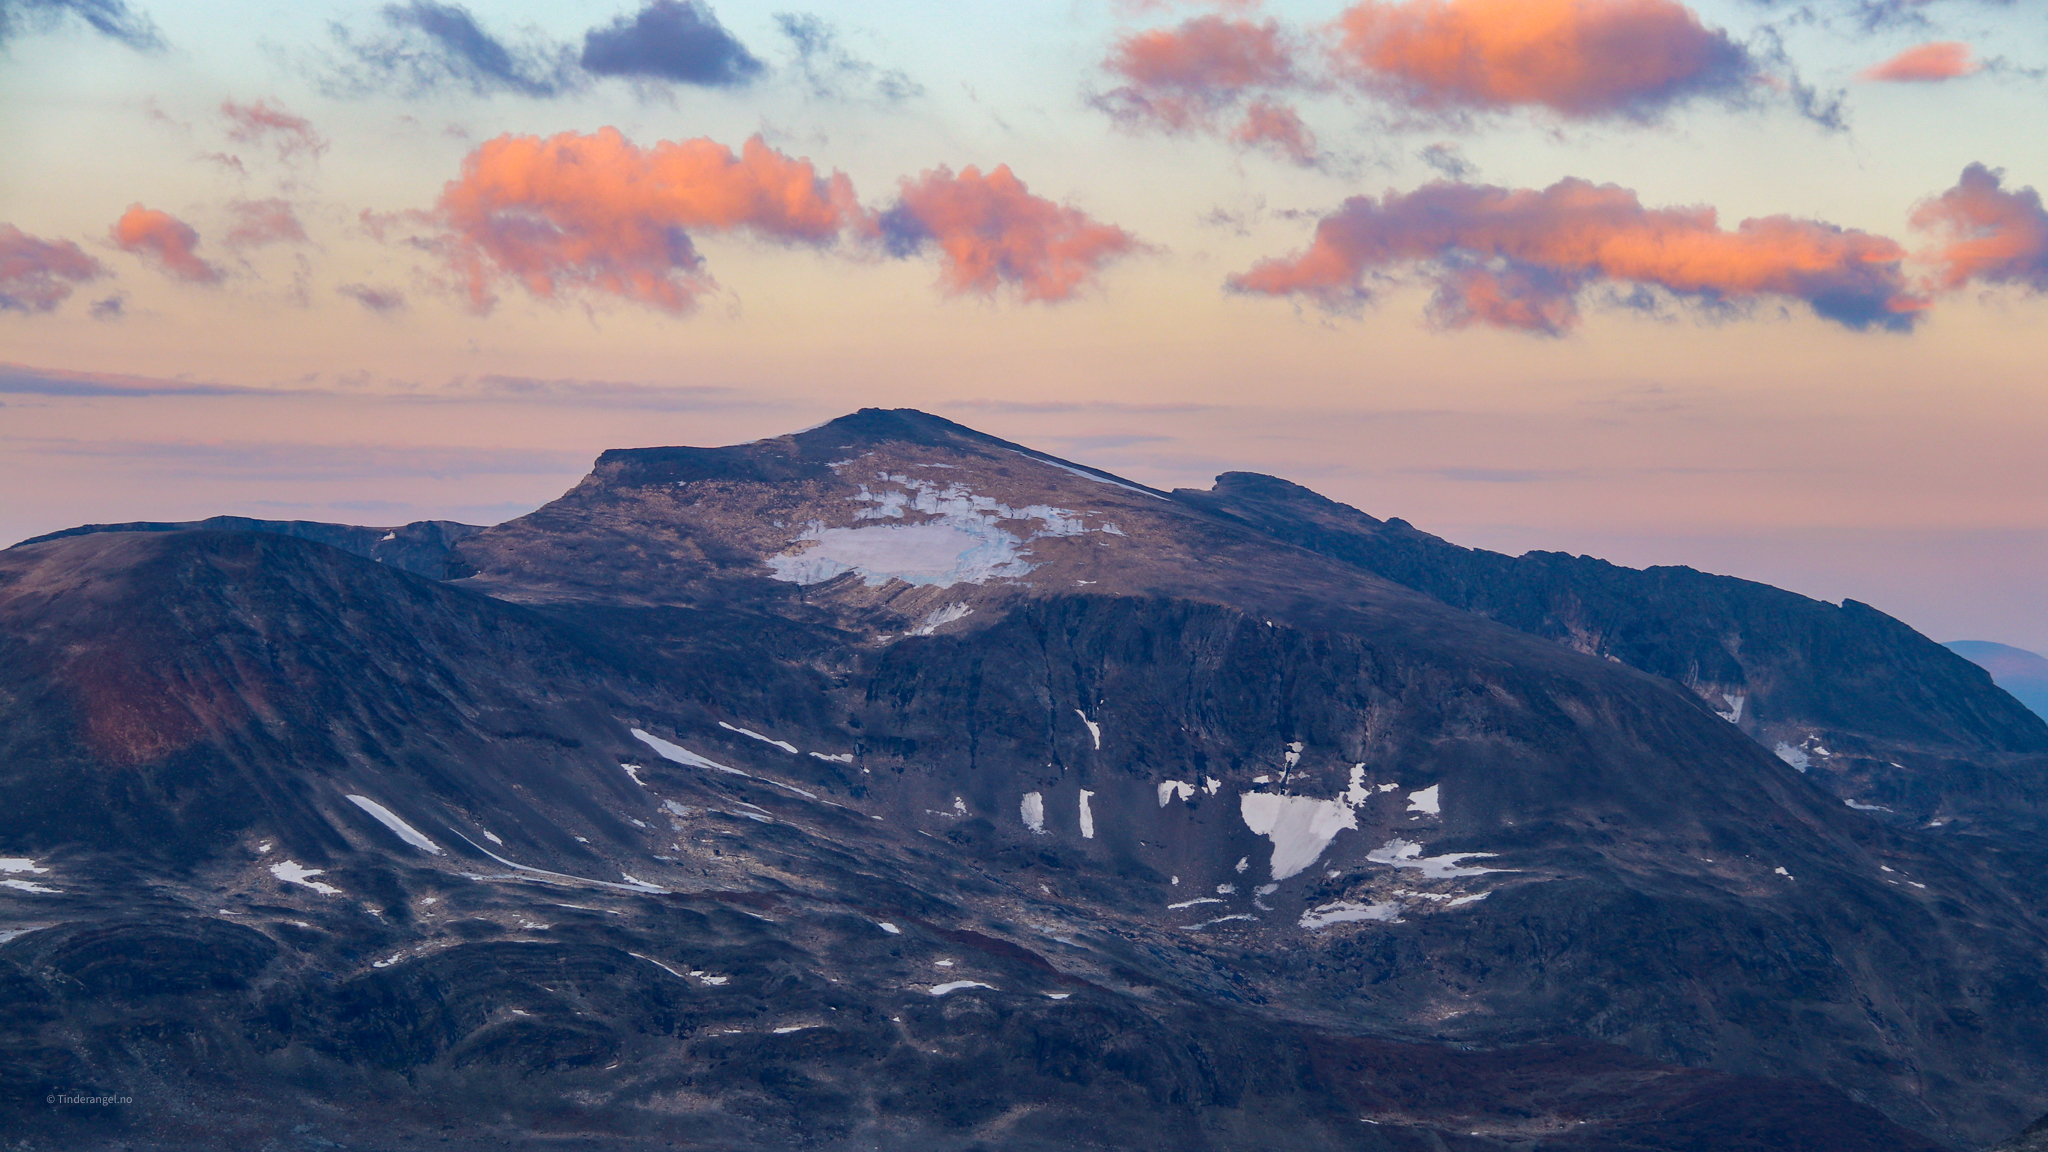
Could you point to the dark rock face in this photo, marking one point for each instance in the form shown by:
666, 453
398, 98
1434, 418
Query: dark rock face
892, 786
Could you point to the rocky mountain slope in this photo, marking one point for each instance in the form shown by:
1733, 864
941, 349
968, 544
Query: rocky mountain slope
889, 785
1878, 713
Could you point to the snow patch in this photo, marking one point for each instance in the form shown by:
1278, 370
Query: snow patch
961, 543
682, 755
400, 828
1429, 800
492, 837
1300, 827
1033, 811
942, 617
633, 770
20, 864
1357, 793
293, 872
1212, 785
1796, 757
1408, 854
957, 985
1090, 476
1734, 713
1192, 903
891, 929
785, 745
32, 886
836, 758
1087, 816
1862, 807
1168, 789
1342, 911
1220, 920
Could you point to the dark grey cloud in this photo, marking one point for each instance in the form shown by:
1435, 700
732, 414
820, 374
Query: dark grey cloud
830, 70
677, 40
431, 45
111, 18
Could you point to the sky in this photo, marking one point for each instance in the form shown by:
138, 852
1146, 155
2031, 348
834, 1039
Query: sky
1750, 285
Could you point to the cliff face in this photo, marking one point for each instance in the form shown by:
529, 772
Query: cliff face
891, 784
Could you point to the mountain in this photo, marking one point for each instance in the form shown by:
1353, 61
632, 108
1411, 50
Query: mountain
1877, 713
420, 547
2022, 673
891, 785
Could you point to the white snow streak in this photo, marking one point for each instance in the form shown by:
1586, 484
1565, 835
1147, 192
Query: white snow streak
957, 985
389, 819
1094, 729
1087, 816
1169, 788
785, 745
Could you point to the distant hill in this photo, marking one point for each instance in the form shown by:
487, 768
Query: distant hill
2022, 673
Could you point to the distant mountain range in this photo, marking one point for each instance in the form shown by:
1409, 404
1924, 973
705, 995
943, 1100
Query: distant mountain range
892, 785
2020, 672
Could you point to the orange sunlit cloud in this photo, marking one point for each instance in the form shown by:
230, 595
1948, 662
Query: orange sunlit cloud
1580, 58
167, 240
993, 232
1989, 235
1941, 60
601, 213
36, 275
1521, 258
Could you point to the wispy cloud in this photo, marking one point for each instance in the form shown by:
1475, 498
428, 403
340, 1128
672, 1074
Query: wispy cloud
22, 380
830, 71
262, 123
110, 18
36, 275
428, 45
1925, 63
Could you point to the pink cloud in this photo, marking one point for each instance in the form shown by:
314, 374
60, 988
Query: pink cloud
1520, 258
259, 122
1941, 60
597, 212
1277, 126
992, 232
259, 222
1987, 234
1579, 58
37, 275
1186, 78
166, 239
